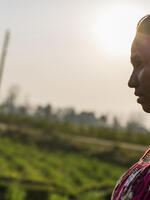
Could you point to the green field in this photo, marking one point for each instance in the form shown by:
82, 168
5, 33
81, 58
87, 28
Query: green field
41, 160
65, 174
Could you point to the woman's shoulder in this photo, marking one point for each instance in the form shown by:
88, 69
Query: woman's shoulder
140, 187
135, 183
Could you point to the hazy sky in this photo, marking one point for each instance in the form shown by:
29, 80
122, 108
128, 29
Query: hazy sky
72, 53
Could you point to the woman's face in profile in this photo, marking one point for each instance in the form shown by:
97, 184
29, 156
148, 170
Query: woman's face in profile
140, 77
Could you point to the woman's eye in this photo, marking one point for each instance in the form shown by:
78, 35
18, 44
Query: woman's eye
137, 64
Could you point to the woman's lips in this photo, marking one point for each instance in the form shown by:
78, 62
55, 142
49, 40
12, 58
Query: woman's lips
141, 99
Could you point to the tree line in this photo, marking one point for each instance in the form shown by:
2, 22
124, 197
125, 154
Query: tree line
10, 106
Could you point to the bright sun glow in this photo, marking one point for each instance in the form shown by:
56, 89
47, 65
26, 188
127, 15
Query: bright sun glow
116, 27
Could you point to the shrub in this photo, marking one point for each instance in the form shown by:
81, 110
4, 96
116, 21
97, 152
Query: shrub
14, 192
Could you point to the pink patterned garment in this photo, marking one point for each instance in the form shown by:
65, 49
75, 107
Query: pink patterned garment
135, 183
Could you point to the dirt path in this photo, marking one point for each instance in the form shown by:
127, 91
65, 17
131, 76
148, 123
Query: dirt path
109, 143
81, 139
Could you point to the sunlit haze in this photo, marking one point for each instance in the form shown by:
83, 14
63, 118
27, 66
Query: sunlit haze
116, 27
72, 53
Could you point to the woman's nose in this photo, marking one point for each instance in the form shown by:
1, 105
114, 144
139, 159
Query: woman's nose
133, 81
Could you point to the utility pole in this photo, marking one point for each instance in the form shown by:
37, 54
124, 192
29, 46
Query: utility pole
4, 53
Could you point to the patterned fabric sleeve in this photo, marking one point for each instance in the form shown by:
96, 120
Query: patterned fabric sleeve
135, 183
141, 186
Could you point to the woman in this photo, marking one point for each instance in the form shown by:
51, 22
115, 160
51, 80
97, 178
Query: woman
135, 183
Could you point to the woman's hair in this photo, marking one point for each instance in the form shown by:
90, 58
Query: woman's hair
143, 25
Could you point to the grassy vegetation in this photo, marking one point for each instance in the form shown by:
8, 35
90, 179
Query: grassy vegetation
36, 154
65, 174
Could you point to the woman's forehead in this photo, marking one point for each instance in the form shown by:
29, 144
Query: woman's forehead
141, 43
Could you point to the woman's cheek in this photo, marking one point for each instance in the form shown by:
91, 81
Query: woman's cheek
144, 79
141, 75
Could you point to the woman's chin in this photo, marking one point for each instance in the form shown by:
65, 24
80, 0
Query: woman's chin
146, 108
